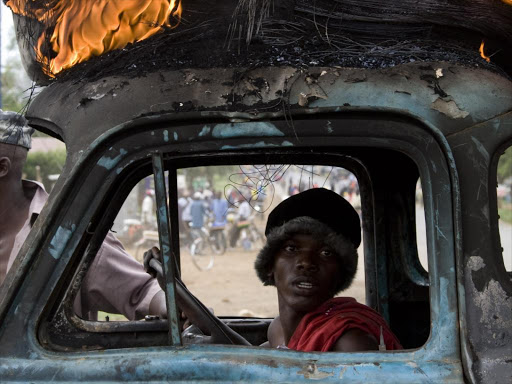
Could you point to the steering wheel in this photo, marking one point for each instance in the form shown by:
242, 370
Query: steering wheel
215, 331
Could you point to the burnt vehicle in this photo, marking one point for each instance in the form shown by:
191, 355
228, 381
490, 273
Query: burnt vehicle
395, 116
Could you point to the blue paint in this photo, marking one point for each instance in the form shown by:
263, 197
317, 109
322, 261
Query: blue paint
206, 130
225, 364
447, 320
496, 125
249, 129
260, 144
166, 136
109, 163
59, 241
175, 136
434, 168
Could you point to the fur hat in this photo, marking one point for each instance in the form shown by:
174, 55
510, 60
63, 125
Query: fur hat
323, 214
321, 204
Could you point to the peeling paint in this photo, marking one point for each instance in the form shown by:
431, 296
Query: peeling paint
440, 233
108, 162
223, 131
496, 124
206, 130
493, 300
481, 148
475, 263
175, 136
434, 167
259, 144
449, 108
303, 99
311, 372
166, 136
98, 96
59, 241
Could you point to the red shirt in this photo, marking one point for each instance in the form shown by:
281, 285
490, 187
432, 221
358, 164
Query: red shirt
319, 330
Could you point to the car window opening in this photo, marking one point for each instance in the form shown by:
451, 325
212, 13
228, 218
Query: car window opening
504, 194
222, 212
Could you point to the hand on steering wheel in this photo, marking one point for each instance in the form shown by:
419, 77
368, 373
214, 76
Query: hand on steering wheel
195, 311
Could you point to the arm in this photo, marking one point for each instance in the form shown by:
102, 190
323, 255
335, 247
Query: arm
117, 283
158, 306
355, 340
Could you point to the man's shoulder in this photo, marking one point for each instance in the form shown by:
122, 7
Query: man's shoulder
35, 192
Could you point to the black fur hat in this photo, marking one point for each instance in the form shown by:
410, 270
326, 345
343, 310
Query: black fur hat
322, 214
321, 204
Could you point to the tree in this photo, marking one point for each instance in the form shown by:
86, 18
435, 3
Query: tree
49, 163
505, 165
15, 82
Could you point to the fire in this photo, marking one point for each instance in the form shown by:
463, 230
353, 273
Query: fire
487, 58
86, 28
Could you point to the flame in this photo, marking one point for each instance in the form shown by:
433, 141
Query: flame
487, 58
86, 28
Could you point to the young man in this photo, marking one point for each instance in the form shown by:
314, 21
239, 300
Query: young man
115, 282
310, 256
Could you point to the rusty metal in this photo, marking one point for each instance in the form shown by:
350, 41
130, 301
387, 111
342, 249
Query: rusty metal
168, 260
389, 117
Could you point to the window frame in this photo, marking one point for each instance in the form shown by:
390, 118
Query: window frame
375, 132
493, 175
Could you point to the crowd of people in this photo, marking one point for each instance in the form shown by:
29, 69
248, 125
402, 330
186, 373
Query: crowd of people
214, 210
339, 180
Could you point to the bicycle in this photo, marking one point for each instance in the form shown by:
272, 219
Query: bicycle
211, 237
250, 236
247, 234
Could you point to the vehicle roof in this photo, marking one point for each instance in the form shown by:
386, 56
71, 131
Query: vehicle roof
445, 95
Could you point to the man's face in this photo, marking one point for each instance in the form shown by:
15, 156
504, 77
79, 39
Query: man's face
305, 273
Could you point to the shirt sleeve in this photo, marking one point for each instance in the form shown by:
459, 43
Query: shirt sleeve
116, 283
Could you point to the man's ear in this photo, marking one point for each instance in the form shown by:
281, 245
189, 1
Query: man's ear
5, 166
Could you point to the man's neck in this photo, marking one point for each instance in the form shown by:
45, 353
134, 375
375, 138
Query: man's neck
14, 209
289, 320
14, 205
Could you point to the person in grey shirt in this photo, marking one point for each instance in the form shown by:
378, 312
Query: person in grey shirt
114, 283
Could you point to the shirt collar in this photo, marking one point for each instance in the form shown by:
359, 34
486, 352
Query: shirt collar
38, 201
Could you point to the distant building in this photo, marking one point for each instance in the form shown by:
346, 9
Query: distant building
46, 144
